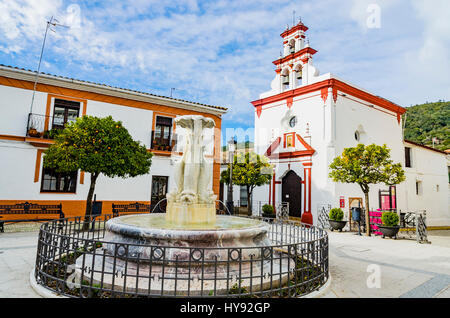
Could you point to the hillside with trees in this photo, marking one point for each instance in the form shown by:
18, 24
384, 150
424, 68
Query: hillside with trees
427, 121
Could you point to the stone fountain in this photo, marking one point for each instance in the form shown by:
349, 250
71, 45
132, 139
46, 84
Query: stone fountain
188, 240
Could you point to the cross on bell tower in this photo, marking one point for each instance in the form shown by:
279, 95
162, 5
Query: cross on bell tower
294, 67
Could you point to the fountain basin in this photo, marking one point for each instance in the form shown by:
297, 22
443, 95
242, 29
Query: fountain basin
140, 232
146, 254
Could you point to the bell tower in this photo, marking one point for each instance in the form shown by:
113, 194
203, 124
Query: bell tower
294, 67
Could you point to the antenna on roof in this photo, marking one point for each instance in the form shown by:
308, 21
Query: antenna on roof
293, 17
50, 25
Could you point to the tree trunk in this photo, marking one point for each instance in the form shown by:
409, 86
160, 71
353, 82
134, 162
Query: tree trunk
249, 201
88, 212
366, 195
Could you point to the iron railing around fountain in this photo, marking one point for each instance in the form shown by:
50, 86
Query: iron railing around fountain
295, 264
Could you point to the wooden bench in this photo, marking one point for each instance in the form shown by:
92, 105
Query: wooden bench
132, 208
24, 212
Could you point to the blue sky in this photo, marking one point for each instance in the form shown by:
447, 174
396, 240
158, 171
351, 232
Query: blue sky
221, 52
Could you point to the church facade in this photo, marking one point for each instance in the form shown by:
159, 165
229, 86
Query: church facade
307, 119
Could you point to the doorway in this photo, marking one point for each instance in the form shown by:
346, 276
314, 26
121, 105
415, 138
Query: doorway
354, 203
291, 192
159, 191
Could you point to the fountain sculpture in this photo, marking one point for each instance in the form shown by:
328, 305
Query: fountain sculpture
166, 252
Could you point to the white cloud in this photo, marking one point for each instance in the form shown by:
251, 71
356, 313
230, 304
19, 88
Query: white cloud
221, 52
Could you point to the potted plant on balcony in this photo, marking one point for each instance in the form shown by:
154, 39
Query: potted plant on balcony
335, 218
390, 225
268, 211
32, 132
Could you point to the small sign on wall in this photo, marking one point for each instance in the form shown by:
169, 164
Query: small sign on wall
342, 202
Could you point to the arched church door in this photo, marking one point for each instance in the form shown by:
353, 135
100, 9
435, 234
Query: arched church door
291, 188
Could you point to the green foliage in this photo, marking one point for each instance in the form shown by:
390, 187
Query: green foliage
425, 121
390, 218
249, 169
52, 133
98, 146
365, 165
236, 290
336, 214
267, 209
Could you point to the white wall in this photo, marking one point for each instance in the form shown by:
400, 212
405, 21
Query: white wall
18, 158
15, 106
430, 168
377, 126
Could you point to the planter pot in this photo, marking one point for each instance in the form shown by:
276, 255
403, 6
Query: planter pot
34, 133
268, 215
337, 225
390, 231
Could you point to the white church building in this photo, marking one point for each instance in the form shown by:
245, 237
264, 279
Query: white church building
307, 119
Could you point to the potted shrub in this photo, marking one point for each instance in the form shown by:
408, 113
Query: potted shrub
336, 215
390, 225
32, 132
268, 211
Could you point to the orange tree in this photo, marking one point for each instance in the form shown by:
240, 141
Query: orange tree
97, 146
365, 165
250, 170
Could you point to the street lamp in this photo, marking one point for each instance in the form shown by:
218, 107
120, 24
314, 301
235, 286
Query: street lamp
231, 151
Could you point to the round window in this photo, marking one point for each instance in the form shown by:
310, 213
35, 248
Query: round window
357, 135
293, 121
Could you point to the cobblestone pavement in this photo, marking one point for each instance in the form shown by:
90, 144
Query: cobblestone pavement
407, 269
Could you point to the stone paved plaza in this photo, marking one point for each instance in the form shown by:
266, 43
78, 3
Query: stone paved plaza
407, 269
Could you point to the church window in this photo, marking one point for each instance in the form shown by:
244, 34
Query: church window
408, 157
293, 121
292, 46
298, 75
418, 187
357, 136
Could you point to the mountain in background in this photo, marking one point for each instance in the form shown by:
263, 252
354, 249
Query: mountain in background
427, 121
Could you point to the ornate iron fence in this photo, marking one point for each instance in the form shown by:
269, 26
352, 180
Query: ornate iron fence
77, 263
281, 208
414, 225
323, 211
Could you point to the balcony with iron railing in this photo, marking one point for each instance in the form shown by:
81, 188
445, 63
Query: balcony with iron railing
42, 129
163, 146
